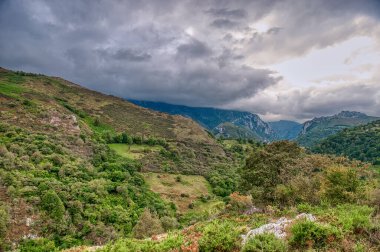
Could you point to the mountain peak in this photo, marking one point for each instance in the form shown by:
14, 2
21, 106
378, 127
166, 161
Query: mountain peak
350, 114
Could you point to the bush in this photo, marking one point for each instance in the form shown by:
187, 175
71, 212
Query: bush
147, 225
341, 184
265, 242
37, 245
172, 243
352, 218
219, 236
239, 202
312, 235
4, 219
169, 223
53, 205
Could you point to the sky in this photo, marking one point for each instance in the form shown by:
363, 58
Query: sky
281, 59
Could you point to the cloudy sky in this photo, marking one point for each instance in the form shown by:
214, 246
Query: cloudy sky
292, 59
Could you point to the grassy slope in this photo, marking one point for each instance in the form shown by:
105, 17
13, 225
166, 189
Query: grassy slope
182, 190
134, 151
55, 97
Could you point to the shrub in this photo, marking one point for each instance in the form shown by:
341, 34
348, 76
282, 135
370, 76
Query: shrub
37, 245
353, 218
169, 223
341, 184
219, 236
4, 219
310, 234
53, 205
265, 242
172, 243
147, 225
239, 202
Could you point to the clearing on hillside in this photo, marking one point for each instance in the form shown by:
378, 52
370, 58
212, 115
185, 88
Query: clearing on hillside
134, 151
182, 190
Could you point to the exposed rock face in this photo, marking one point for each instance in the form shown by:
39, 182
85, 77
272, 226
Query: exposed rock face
278, 228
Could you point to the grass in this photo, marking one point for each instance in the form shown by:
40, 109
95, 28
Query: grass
134, 151
10, 90
182, 190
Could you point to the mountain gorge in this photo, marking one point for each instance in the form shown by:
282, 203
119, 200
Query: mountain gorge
221, 122
286, 130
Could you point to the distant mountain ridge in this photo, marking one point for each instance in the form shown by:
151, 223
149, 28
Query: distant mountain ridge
239, 123
319, 128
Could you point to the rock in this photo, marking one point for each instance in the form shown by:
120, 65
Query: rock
277, 228
29, 222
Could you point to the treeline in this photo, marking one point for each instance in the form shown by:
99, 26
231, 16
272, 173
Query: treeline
361, 143
125, 138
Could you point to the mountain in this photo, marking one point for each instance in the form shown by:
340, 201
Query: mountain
361, 143
321, 127
286, 130
229, 130
213, 119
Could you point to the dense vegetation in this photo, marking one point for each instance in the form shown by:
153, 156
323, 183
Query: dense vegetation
361, 143
79, 200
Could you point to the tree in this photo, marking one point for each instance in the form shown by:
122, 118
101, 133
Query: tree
269, 167
147, 225
53, 205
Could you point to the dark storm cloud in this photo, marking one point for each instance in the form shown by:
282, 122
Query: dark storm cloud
167, 50
224, 23
126, 54
224, 12
194, 49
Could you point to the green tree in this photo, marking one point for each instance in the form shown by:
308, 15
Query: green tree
268, 167
53, 205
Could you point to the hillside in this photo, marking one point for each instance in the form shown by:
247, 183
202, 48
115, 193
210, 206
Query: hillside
59, 176
321, 127
361, 143
58, 104
286, 130
213, 119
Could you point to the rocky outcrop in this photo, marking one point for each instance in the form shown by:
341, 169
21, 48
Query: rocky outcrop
278, 228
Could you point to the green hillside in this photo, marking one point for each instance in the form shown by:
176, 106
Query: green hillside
361, 143
319, 128
70, 157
